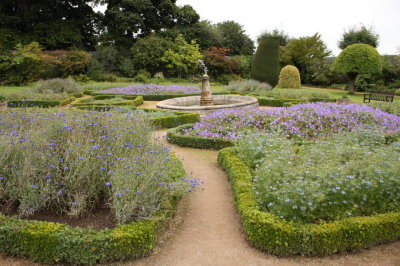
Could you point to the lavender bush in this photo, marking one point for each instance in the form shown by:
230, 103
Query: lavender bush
70, 162
303, 121
151, 89
353, 174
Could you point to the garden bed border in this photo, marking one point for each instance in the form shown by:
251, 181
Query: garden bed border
43, 103
48, 242
174, 136
151, 97
280, 237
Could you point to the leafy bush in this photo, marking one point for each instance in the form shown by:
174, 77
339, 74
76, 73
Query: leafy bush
352, 174
31, 96
71, 162
289, 78
252, 86
22, 66
141, 78
358, 59
265, 67
74, 63
57, 85
303, 121
391, 108
159, 75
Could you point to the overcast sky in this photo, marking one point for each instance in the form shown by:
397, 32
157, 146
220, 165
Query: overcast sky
306, 17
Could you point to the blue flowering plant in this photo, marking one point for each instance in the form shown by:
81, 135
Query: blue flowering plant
351, 174
71, 162
153, 89
302, 122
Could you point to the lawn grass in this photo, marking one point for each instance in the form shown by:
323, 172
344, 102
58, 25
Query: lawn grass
15, 89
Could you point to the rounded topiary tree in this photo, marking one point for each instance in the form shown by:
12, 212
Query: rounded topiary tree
265, 65
289, 77
358, 59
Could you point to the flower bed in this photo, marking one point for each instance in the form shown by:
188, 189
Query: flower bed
280, 237
73, 162
109, 101
153, 89
40, 100
303, 121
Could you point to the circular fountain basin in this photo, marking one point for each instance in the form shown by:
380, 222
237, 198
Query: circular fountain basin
192, 103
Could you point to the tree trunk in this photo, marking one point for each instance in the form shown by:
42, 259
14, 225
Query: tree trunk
352, 83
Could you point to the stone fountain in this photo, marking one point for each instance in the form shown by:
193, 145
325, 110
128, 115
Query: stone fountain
206, 103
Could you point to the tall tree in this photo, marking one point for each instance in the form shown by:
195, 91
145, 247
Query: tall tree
282, 36
359, 35
126, 20
233, 36
305, 52
55, 24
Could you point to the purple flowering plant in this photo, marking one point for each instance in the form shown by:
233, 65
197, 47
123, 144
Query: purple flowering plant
153, 89
68, 162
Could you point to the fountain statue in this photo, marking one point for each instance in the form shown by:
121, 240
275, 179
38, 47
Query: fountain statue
205, 103
205, 97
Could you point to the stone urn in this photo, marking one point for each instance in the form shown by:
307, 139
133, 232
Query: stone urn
3, 106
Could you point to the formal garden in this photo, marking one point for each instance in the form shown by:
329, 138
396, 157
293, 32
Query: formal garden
93, 170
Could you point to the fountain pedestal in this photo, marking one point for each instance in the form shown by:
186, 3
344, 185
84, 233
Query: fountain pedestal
205, 98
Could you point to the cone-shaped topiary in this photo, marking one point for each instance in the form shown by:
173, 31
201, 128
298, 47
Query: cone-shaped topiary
358, 59
289, 78
265, 65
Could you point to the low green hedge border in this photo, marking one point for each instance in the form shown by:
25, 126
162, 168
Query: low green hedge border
43, 104
174, 136
47, 242
152, 97
173, 120
130, 101
279, 237
288, 102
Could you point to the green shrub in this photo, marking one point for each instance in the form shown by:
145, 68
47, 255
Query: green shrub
346, 176
175, 136
392, 108
109, 101
141, 78
279, 237
265, 65
57, 85
251, 86
289, 78
358, 59
296, 94
75, 62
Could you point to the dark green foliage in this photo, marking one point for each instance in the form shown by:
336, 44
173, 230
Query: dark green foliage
358, 59
359, 35
46, 242
54, 24
305, 53
175, 136
232, 36
265, 66
279, 237
280, 34
147, 52
128, 20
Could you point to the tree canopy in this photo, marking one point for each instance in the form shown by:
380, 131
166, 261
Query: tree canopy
282, 36
232, 36
358, 59
56, 24
359, 35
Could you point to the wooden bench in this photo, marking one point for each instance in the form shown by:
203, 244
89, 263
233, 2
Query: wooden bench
379, 96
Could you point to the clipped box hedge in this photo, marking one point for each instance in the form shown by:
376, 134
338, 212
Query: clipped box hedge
48, 242
173, 120
44, 104
130, 101
174, 136
280, 237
